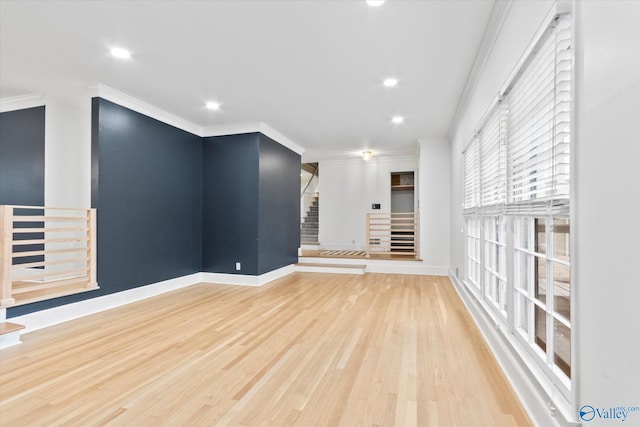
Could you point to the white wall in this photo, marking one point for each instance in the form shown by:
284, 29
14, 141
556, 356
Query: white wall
605, 200
522, 20
67, 145
433, 188
607, 205
68, 151
347, 190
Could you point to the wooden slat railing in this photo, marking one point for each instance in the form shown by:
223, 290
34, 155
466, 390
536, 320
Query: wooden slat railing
46, 253
392, 234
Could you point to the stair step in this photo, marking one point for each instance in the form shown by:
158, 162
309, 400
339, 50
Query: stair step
309, 267
8, 327
9, 334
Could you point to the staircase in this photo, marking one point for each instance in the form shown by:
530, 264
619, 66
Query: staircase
309, 227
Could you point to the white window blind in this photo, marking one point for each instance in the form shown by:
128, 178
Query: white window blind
471, 175
493, 161
538, 121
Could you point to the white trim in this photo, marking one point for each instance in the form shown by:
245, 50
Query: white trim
53, 316
382, 265
10, 339
544, 404
489, 37
21, 102
246, 280
252, 127
334, 269
231, 129
135, 104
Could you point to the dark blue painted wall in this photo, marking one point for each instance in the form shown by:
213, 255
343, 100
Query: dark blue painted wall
149, 199
148, 194
230, 203
22, 157
279, 206
171, 203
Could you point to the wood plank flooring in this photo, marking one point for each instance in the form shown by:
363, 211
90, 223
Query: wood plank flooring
307, 350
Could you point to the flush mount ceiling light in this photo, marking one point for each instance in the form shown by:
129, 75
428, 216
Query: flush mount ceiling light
120, 53
390, 82
212, 105
367, 155
397, 119
375, 3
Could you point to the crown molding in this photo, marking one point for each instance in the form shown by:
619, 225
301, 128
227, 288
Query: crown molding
21, 102
252, 127
494, 26
128, 101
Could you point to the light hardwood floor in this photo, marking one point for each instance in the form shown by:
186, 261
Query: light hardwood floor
307, 350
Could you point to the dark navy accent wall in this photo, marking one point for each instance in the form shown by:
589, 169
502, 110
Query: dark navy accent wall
22, 157
149, 199
230, 203
251, 204
170, 203
148, 195
22, 168
279, 206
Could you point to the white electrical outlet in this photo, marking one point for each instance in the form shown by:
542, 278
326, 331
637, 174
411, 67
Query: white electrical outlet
237, 266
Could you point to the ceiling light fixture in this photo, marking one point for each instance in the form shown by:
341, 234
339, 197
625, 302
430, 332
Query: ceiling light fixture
390, 82
367, 155
120, 53
213, 105
397, 119
375, 3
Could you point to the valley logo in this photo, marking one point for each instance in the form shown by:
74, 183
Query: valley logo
620, 413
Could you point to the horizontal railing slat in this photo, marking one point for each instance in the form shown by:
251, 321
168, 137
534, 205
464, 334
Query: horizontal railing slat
48, 252
52, 262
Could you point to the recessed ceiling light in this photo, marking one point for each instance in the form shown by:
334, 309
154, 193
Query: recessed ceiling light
397, 119
390, 82
375, 3
213, 106
120, 53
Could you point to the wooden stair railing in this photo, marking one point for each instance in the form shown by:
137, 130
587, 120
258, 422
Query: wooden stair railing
392, 234
46, 253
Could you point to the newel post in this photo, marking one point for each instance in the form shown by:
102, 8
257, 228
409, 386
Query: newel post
93, 248
6, 254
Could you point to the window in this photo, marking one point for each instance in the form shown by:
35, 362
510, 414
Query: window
543, 288
517, 206
473, 252
495, 263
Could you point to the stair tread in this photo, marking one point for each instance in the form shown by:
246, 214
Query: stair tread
8, 327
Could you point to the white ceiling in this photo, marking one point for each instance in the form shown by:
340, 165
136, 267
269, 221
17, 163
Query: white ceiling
313, 70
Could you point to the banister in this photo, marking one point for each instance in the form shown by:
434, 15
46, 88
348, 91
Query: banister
67, 255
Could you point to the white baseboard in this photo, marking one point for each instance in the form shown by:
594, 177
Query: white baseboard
327, 268
408, 267
64, 313
383, 265
246, 280
529, 389
53, 316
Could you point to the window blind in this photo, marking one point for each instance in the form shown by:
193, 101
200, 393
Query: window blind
493, 170
519, 161
471, 176
538, 121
